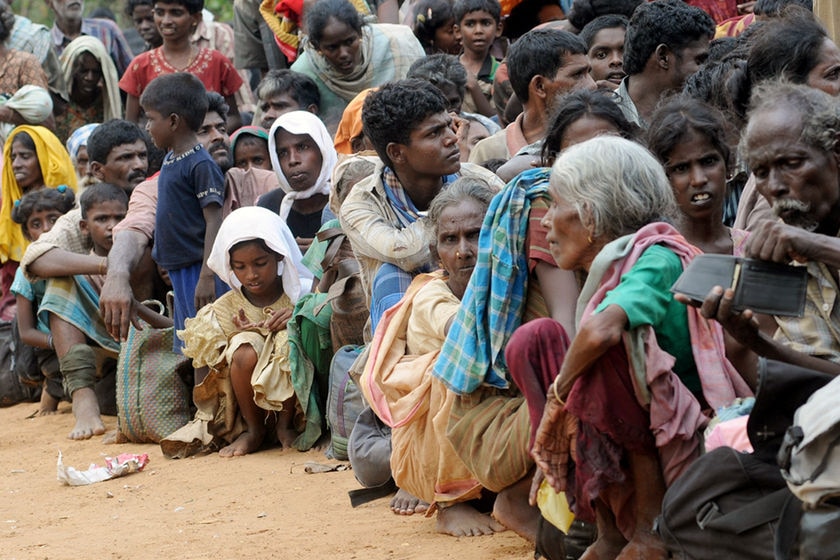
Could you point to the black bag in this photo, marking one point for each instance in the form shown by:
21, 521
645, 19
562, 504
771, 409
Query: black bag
12, 391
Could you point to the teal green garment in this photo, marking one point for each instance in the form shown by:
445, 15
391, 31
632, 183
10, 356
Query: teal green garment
318, 249
644, 293
310, 353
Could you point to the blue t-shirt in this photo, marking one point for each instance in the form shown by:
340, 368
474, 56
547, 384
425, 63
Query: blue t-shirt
187, 183
34, 292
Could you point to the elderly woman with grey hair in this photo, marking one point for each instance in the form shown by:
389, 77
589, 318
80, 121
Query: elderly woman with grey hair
633, 384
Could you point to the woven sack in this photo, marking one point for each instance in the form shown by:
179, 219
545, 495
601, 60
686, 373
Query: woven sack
153, 400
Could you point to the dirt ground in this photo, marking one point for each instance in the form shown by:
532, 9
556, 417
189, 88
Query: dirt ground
259, 506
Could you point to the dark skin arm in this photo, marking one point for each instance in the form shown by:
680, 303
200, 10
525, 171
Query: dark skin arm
132, 109
26, 325
205, 290
116, 302
156, 320
58, 262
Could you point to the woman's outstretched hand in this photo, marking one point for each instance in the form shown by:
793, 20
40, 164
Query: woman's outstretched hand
552, 445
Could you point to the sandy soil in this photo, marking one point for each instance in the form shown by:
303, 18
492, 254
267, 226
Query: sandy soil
259, 506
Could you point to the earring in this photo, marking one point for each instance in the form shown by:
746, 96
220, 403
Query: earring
457, 255
589, 238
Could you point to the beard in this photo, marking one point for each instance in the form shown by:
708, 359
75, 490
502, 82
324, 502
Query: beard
797, 214
223, 161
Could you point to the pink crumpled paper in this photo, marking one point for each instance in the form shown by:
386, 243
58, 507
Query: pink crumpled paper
121, 465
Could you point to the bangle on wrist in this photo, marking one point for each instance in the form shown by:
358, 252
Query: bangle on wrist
556, 394
50, 342
103, 266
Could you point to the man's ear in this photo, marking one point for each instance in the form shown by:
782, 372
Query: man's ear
96, 170
396, 152
663, 55
312, 108
536, 87
83, 227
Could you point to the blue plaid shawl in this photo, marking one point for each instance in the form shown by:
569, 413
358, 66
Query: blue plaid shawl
494, 302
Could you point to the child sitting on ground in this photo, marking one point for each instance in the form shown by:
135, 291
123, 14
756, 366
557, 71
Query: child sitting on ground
35, 358
191, 191
477, 26
242, 338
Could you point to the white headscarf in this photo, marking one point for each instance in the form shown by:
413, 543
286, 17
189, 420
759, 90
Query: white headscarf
254, 222
112, 103
303, 122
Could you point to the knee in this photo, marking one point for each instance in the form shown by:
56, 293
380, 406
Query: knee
536, 334
244, 359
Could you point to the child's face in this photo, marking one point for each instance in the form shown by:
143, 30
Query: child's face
255, 268
300, 159
40, 222
160, 128
144, 22
173, 21
252, 152
100, 222
445, 40
477, 31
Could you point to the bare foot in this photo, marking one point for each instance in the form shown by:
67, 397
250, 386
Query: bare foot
512, 510
644, 546
406, 504
86, 411
603, 549
110, 437
48, 404
247, 442
463, 520
323, 442
286, 437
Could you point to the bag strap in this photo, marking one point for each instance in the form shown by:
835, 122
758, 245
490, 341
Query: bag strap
764, 510
787, 529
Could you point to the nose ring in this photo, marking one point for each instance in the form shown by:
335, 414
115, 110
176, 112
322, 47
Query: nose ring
457, 254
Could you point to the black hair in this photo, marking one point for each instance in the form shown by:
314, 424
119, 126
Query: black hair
7, 22
131, 4
460, 8
670, 22
181, 94
721, 48
788, 47
99, 193
300, 87
440, 70
26, 140
258, 241
721, 85
192, 6
677, 118
591, 29
103, 13
774, 8
216, 104
430, 15
60, 199
524, 17
111, 134
319, 13
492, 165
395, 110
579, 104
540, 52
584, 11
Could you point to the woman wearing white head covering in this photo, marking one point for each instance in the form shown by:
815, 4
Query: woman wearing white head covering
304, 175
242, 338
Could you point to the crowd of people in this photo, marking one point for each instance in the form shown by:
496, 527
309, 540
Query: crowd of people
472, 212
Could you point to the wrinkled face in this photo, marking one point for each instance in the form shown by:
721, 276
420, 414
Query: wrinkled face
457, 242
341, 46
825, 75
572, 76
697, 172
82, 162
801, 182
445, 40
68, 10
40, 222
586, 128
143, 18
99, 224
277, 105
477, 30
607, 55
125, 166
251, 152
568, 240
688, 60
255, 268
214, 137
26, 167
173, 21
87, 75
433, 147
299, 157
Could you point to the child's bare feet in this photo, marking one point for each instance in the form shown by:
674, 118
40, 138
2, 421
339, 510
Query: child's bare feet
86, 411
48, 404
247, 442
406, 504
286, 436
323, 442
644, 546
463, 520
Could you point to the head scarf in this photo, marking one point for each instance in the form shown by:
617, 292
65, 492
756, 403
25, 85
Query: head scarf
303, 122
79, 139
257, 131
56, 168
254, 222
350, 125
32, 103
111, 89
